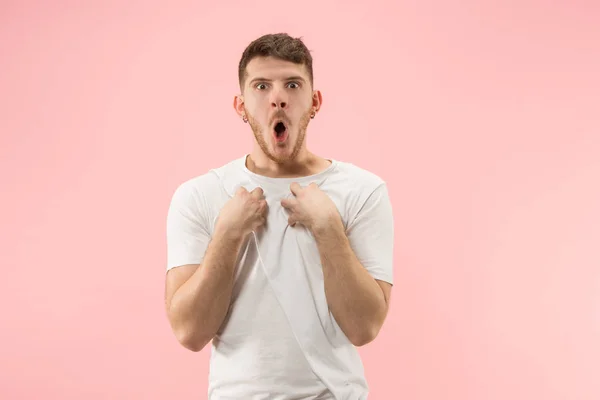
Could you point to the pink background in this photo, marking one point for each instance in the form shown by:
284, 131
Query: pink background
484, 119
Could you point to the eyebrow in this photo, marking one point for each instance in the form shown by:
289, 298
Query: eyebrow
291, 78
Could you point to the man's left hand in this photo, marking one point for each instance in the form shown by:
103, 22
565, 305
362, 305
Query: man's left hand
310, 207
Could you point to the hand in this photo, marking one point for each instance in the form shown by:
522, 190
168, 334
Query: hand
310, 207
244, 213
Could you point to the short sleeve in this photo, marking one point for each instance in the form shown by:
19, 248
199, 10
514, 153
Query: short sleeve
187, 231
371, 235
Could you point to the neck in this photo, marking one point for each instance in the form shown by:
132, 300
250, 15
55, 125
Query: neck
304, 164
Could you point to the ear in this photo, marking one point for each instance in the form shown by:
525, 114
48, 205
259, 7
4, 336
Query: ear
238, 105
317, 100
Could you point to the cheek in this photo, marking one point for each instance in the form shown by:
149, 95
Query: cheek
258, 110
251, 101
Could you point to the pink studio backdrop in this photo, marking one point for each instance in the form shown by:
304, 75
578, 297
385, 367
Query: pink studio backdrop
484, 119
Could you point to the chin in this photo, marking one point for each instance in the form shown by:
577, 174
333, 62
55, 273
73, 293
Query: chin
281, 155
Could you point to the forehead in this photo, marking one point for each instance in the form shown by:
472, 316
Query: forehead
273, 68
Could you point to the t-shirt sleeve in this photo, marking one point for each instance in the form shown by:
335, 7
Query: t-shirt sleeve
187, 231
371, 235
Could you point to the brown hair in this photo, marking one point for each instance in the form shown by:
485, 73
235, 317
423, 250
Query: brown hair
277, 45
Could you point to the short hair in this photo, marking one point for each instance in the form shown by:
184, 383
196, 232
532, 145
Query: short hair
278, 45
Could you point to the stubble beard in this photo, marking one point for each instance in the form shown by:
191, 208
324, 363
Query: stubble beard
257, 130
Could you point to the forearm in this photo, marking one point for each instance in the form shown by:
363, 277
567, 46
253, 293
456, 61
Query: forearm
199, 306
354, 297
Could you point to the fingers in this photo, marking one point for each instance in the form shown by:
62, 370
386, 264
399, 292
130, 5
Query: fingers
257, 193
289, 203
260, 223
258, 198
262, 206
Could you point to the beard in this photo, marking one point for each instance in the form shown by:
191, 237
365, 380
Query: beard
260, 133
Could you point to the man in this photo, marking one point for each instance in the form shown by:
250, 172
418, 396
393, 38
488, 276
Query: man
281, 258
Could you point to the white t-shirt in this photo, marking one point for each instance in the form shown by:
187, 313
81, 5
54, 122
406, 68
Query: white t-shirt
279, 340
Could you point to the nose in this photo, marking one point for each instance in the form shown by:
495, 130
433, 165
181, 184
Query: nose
279, 99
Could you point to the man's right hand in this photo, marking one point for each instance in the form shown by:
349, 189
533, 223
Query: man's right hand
244, 213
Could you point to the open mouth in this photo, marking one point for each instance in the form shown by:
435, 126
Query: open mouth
280, 131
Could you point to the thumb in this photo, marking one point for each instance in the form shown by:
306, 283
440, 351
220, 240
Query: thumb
295, 188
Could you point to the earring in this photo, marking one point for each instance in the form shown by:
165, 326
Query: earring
313, 115
244, 118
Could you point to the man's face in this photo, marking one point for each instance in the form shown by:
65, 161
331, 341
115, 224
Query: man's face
278, 102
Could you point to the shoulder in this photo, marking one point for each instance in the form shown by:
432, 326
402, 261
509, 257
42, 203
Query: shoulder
354, 189
201, 188
357, 178
196, 187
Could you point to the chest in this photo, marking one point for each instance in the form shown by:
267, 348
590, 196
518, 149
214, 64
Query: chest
278, 248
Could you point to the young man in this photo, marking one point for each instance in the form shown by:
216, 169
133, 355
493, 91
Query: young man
281, 258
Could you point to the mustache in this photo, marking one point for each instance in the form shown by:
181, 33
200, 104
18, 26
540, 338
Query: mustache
280, 116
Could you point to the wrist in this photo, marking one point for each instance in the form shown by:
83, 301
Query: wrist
230, 233
329, 222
